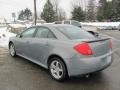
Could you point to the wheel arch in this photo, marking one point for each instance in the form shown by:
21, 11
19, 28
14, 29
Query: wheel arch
10, 42
58, 56
54, 55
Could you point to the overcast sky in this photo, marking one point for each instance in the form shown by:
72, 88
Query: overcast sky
9, 6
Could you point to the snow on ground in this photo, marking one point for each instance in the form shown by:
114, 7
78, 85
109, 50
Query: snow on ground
4, 36
101, 23
17, 25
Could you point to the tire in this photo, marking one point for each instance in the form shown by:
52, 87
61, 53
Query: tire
12, 50
57, 69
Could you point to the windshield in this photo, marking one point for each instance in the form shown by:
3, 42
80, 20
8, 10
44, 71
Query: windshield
73, 32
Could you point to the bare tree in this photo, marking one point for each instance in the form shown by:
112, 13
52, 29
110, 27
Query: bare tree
61, 14
56, 7
75, 3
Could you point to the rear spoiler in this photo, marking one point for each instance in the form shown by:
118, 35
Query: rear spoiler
98, 40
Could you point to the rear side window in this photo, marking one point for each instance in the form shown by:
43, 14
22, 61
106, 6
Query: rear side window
51, 35
73, 32
44, 33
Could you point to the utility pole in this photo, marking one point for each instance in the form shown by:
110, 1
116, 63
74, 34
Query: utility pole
35, 12
13, 16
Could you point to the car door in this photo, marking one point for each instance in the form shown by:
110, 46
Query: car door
24, 40
39, 45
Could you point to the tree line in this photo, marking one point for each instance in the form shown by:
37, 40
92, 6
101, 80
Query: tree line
104, 10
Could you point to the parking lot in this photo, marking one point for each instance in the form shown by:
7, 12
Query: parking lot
20, 74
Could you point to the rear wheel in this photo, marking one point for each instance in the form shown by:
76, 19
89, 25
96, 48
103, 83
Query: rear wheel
12, 50
57, 69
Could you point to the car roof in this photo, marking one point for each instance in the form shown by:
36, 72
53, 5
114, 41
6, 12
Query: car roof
66, 20
53, 25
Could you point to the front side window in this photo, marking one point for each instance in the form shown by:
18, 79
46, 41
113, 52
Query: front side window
28, 33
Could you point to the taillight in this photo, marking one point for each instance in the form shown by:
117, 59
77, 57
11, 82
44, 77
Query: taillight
83, 49
110, 44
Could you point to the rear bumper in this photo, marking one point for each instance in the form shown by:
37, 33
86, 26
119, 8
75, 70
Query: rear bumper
77, 66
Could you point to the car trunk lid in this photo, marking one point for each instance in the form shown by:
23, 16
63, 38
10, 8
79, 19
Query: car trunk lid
98, 46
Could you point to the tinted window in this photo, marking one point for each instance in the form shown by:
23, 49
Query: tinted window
73, 32
44, 33
28, 33
66, 22
50, 35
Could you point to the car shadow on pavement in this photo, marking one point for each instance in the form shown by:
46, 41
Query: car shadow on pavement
98, 77
30, 64
87, 78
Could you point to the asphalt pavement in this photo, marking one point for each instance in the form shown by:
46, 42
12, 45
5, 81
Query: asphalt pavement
21, 74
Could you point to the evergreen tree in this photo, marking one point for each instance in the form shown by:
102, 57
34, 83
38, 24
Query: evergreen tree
101, 10
109, 10
78, 14
21, 15
48, 13
116, 10
25, 14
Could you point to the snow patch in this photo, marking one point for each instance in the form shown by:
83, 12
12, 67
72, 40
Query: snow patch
4, 36
17, 25
101, 23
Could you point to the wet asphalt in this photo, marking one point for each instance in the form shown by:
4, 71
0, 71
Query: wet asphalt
21, 74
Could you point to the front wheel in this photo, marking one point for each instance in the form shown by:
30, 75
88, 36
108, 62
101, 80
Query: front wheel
12, 50
57, 69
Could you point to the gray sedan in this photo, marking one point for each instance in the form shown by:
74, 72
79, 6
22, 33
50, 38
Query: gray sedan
64, 50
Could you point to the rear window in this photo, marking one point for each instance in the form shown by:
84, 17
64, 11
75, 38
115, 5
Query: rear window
73, 32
